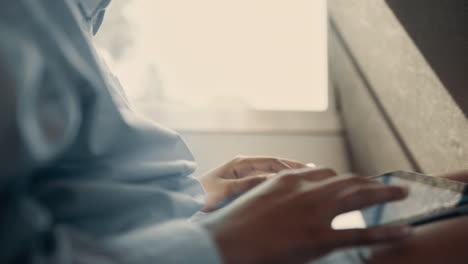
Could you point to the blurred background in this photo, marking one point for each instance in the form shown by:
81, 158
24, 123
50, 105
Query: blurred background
233, 77
368, 86
262, 55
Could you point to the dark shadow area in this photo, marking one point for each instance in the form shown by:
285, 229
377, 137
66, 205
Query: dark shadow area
440, 30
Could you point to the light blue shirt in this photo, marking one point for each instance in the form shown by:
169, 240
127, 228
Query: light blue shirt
84, 179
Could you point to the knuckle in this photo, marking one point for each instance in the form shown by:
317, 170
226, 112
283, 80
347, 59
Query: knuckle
280, 165
277, 161
238, 158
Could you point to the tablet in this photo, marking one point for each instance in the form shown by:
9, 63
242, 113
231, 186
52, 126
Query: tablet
430, 199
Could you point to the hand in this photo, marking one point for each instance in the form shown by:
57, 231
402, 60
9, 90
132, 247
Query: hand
287, 219
240, 175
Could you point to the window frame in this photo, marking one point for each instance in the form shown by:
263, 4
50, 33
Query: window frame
248, 121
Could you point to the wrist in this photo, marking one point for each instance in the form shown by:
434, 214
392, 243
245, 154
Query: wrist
234, 240
227, 246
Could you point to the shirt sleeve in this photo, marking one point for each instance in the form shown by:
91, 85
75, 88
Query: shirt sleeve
174, 242
88, 181
39, 120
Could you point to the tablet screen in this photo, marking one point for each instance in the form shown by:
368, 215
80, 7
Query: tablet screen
427, 196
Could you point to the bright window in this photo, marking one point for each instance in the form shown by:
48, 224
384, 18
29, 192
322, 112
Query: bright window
249, 54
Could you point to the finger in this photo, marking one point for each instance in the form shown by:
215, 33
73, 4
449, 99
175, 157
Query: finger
369, 236
297, 165
359, 197
263, 164
239, 186
321, 174
256, 173
333, 185
313, 174
283, 164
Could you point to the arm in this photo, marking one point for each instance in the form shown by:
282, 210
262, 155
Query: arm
173, 242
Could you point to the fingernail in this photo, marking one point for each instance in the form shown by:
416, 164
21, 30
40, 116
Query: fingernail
311, 165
